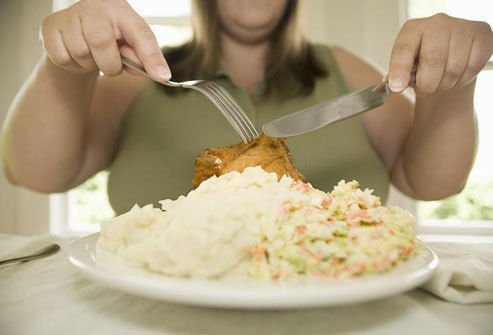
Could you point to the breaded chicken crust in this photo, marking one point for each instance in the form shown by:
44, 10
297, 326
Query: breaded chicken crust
272, 154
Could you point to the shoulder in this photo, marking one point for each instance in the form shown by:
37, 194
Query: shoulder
324, 53
112, 98
115, 95
125, 86
359, 71
387, 126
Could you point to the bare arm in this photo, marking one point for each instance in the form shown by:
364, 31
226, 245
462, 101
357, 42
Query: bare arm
43, 135
63, 124
440, 149
428, 145
439, 152
387, 126
62, 127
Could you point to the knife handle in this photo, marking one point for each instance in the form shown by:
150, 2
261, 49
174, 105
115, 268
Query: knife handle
412, 79
384, 86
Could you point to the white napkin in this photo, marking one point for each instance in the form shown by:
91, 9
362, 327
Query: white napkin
464, 274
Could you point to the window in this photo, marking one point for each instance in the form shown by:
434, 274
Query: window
471, 211
81, 210
169, 19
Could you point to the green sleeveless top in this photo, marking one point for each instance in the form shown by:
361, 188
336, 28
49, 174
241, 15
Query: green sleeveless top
162, 134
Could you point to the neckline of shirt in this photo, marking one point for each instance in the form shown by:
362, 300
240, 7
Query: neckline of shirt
259, 90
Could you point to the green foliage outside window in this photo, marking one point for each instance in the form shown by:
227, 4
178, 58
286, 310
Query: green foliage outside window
475, 202
92, 205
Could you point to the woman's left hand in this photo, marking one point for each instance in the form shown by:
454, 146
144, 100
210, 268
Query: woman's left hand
450, 53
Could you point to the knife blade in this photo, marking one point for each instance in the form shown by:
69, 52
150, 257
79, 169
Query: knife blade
325, 113
340, 108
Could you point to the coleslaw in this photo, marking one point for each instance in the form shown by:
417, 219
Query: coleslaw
264, 228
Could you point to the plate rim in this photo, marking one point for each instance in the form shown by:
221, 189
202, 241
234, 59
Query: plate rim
210, 293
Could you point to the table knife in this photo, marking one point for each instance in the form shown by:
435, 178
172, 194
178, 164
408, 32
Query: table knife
321, 115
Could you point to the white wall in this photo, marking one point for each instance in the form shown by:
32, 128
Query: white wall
367, 27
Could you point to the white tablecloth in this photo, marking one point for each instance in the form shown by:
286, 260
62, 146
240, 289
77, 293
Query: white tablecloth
48, 296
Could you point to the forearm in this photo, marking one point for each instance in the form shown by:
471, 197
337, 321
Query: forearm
440, 149
43, 137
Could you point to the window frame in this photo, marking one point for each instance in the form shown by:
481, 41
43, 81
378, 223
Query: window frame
438, 229
62, 217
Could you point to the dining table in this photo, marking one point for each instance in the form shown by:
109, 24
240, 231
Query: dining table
49, 296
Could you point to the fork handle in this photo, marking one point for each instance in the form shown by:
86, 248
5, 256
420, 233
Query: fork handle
134, 66
140, 69
51, 249
412, 79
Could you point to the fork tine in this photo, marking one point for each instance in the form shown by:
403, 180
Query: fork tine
222, 108
229, 109
224, 111
217, 95
237, 109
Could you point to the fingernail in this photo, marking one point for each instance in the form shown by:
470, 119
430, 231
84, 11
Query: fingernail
163, 72
396, 84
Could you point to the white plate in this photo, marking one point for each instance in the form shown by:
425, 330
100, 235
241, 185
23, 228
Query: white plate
248, 294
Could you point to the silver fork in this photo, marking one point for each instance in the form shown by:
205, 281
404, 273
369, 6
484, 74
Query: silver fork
46, 251
228, 107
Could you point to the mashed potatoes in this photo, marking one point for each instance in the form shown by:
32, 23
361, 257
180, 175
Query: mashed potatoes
278, 229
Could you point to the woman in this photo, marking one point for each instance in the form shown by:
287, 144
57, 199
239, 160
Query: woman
68, 123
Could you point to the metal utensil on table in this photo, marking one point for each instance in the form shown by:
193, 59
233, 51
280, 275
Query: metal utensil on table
46, 251
217, 95
318, 116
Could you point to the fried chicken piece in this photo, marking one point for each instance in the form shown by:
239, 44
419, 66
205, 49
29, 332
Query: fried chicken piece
272, 154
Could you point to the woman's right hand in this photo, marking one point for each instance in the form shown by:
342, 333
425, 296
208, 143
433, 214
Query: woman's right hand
90, 35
